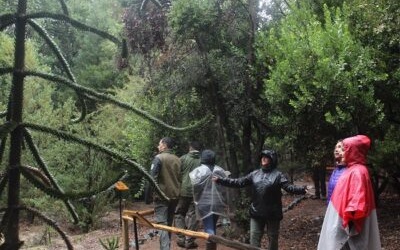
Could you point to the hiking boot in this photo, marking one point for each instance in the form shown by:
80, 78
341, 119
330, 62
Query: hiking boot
181, 244
315, 197
191, 245
211, 246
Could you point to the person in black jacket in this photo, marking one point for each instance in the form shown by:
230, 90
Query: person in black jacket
266, 206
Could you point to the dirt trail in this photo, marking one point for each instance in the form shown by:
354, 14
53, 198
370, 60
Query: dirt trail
33, 235
299, 229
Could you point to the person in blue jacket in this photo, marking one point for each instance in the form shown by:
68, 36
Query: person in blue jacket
340, 167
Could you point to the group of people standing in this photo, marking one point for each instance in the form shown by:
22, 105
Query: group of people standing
196, 188
185, 180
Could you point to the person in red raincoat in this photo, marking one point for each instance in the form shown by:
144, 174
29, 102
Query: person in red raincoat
350, 221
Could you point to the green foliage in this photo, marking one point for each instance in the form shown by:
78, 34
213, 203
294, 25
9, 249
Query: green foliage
110, 243
376, 25
190, 19
67, 162
7, 50
132, 134
78, 160
92, 209
242, 215
219, 69
386, 153
321, 81
6, 59
35, 199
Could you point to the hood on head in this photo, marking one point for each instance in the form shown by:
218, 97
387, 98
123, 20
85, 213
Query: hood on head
207, 157
272, 155
356, 149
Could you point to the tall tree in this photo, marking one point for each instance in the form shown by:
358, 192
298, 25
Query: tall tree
207, 58
321, 82
377, 26
19, 130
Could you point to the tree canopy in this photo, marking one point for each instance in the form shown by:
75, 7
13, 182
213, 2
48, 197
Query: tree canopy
116, 76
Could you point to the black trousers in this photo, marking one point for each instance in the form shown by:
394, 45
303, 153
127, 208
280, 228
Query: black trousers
319, 173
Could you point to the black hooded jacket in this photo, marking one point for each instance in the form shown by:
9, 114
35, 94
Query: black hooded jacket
266, 189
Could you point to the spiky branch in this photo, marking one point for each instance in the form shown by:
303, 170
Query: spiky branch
7, 128
110, 99
3, 182
64, 7
18, 131
41, 163
100, 148
75, 23
56, 50
36, 179
7, 20
48, 221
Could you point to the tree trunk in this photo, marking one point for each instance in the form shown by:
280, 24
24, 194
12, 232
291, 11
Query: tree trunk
12, 241
225, 131
251, 93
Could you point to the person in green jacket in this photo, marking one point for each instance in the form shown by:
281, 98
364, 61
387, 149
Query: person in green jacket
165, 169
186, 207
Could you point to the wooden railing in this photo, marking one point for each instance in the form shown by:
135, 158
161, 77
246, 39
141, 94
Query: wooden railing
138, 217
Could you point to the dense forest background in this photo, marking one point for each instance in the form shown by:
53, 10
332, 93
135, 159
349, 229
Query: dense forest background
237, 75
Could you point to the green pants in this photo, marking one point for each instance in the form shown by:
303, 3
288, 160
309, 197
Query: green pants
185, 217
257, 226
164, 212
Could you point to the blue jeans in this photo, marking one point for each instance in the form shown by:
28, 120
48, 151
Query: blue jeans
257, 231
164, 212
210, 224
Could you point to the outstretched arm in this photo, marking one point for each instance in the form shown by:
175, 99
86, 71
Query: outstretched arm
236, 183
290, 188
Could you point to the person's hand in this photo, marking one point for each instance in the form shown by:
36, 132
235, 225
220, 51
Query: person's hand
308, 192
214, 178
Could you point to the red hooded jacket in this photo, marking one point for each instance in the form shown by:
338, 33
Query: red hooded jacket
351, 214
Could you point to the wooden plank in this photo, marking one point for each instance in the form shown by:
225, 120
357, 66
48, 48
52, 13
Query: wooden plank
125, 234
195, 234
141, 219
144, 221
139, 215
143, 213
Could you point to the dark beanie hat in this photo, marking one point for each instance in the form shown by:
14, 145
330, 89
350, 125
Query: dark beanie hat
207, 157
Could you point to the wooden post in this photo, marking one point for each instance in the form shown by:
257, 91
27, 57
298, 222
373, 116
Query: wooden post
120, 207
119, 188
136, 233
125, 234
